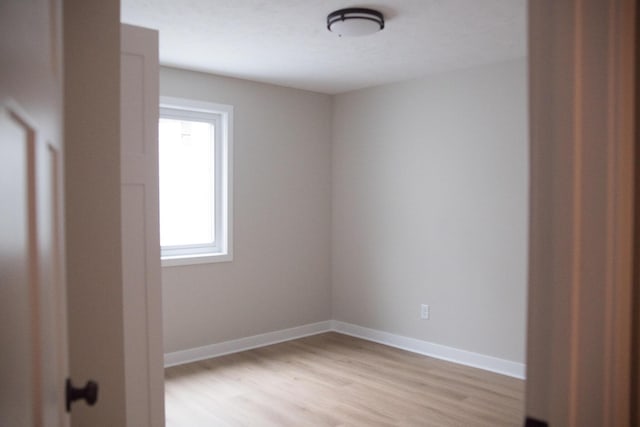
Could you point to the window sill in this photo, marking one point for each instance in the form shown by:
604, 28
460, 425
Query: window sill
174, 261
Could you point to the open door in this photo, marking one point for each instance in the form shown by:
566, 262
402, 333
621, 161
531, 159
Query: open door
33, 340
142, 294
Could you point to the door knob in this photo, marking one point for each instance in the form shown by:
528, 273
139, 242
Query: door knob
89, 393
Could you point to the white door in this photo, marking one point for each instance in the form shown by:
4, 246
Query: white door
142, 295
33, 342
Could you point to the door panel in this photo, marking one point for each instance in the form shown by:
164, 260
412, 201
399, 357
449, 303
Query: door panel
53, 291
19, 380
33, 345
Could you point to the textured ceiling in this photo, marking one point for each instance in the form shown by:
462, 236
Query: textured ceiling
286, 42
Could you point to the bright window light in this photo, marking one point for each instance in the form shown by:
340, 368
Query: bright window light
195, 181
187, 183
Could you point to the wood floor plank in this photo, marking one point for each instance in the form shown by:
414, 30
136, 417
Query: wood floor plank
337, 380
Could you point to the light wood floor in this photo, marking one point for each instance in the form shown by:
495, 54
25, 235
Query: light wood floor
337, 380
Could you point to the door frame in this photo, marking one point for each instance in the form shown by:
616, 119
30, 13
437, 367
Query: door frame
581, 216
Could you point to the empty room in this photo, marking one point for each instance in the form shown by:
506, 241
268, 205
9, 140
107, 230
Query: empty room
367, 220
283, 213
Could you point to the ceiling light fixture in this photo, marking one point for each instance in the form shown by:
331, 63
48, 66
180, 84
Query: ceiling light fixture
355, 22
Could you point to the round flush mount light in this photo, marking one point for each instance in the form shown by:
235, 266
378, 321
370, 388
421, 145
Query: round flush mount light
354, 21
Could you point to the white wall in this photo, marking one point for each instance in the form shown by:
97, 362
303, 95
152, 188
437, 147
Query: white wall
280, 273
430, 205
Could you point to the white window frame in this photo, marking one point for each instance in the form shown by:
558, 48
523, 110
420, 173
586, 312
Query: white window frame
221, 116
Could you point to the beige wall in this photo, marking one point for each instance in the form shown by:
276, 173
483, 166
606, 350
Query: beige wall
280, 273
92, 186
426, 182
430, 205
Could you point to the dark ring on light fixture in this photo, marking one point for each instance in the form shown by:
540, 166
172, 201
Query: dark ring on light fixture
358, 13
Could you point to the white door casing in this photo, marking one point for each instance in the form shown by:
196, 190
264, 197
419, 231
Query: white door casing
580, 260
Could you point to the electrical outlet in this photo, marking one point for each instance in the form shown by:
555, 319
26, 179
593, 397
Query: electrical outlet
424, 311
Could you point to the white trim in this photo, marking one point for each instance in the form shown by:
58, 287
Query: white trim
172, 261
438, 351
242, 344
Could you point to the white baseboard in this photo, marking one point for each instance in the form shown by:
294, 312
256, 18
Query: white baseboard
438, 351
242, 344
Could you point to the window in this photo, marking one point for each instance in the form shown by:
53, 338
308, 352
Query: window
195, 147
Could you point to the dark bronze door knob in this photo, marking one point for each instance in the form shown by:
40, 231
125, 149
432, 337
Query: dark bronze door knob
89, 393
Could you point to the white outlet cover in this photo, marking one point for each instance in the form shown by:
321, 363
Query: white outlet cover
424, 311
